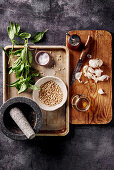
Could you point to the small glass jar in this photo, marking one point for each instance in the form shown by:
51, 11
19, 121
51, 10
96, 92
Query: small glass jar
80, 102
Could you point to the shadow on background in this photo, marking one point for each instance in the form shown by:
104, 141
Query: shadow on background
112, 122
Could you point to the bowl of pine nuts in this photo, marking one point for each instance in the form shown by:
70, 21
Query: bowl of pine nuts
52, 94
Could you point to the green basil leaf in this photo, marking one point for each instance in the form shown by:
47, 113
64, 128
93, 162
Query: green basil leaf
10, 33
13, 84
22, 67
27, 70
16, 64
17, 28
11, 71
23, 88
10, 57
29, 78
18, 74
18, 52
24, 54
35, 75
14, 41
13, 28
16, 68
25, 35
38, 36
18, 86
34, 87
29, 56
18, 71
4, 50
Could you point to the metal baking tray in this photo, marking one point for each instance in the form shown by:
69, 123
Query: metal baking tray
55, 123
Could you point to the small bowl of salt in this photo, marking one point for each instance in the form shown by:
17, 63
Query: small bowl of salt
44, 59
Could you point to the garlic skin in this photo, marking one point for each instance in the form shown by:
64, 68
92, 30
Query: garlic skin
100, 91
85, 82
94, 63
78, 76
85, 68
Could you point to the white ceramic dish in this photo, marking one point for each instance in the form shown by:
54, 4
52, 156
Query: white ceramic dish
57, 81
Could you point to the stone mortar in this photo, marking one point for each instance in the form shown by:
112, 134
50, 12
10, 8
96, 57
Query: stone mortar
30, 110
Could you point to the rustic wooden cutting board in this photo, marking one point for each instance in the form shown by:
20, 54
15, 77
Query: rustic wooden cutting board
100, 111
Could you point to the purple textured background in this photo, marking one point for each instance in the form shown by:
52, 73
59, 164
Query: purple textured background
85, 147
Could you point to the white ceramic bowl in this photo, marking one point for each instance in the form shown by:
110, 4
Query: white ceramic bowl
61, 85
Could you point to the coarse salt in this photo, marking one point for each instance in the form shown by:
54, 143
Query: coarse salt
43, 59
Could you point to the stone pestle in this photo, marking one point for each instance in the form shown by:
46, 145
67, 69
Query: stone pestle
22, 122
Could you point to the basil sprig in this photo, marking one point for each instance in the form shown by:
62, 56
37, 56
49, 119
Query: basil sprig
22, 66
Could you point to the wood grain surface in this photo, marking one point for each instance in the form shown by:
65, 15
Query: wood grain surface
54, 123
100, 111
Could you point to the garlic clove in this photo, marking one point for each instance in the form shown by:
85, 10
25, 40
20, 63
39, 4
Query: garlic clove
78, 76
94, 63
100, 91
